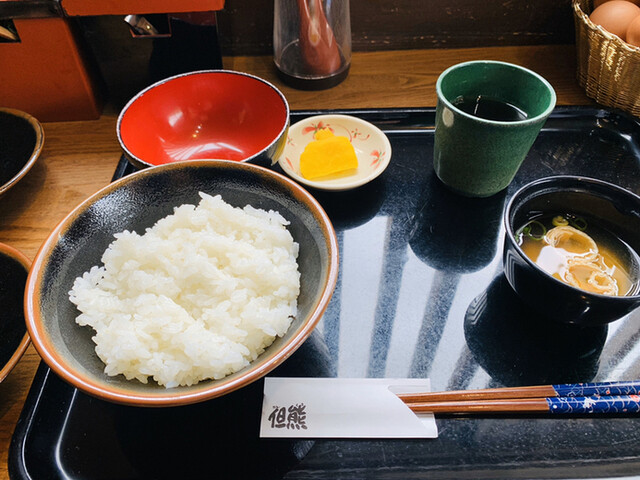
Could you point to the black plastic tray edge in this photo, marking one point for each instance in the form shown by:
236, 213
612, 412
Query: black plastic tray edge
16, 464
408, 118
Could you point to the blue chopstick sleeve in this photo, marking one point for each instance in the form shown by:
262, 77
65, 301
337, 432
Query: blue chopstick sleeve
603, 404
602, 388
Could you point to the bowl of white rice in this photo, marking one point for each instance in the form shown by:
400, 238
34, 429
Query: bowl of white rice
181, 283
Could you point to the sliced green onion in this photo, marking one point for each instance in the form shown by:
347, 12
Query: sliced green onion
579, 223
530, 230
560, 221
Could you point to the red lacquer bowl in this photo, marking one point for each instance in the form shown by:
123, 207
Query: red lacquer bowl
209, 114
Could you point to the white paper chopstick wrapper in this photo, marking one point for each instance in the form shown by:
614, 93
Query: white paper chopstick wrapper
343, 408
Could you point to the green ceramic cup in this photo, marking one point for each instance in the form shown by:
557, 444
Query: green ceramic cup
476, 156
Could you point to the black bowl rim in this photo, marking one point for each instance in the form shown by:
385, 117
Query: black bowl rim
37, 147
172, 397
140, 163
542, 186
9, 251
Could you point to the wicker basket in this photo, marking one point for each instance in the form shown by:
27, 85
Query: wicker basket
608, 68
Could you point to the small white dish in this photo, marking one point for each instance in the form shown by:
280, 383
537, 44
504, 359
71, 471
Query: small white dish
371, 145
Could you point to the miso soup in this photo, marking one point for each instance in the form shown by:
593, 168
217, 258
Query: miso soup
580, 253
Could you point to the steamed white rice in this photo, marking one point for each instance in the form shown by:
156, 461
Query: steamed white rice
200, 295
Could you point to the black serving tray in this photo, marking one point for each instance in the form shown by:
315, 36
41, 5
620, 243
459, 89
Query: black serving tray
420, 294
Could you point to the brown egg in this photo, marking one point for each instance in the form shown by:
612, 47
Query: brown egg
615, 16
597, 3
633, 32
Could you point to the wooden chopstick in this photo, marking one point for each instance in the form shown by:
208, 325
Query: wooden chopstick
617, 404
536, 391
539, 391
604, 397
508, 405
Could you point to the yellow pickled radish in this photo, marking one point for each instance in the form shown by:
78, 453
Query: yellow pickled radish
323, 133
326, 155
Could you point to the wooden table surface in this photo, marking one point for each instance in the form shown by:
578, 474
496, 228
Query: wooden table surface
79, 158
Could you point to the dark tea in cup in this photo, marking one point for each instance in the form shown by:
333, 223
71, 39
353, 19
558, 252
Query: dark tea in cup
490, 109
